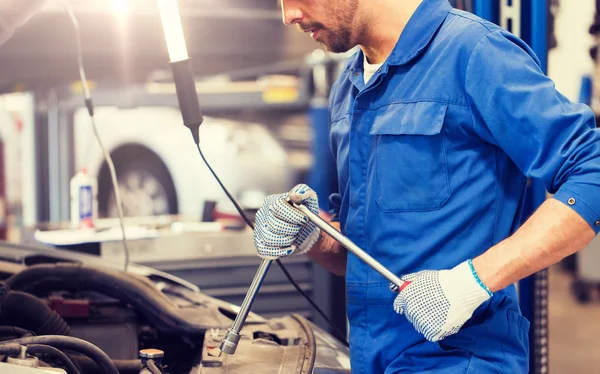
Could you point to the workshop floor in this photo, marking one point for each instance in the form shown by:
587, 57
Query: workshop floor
574, 329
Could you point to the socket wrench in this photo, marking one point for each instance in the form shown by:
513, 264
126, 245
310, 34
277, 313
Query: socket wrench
231, 339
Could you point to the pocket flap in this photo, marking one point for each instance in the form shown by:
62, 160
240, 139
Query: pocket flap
420, 118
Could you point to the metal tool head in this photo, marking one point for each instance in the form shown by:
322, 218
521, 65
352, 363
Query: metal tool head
230, 342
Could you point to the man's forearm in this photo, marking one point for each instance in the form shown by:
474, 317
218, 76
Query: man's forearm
329, 253
552, 233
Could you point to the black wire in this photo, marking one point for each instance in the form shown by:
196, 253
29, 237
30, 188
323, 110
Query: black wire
90, 108
339, 334
51, 351
233, 200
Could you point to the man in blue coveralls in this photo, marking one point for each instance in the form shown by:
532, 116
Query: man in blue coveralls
436, 124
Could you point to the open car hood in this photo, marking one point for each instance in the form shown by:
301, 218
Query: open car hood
174, 307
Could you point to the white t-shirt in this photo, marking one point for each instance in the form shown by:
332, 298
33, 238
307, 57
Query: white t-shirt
369, 70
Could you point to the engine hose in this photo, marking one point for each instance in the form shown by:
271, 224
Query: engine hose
14, 331
124, 366
27, 311
10, 349
54, 353
138, 291
153, 368
71, 343
13, 349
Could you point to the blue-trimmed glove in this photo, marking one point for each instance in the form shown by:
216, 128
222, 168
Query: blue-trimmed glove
281, 229
438, 303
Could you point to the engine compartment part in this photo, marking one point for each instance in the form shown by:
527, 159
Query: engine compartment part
42, 349
88, 366
13, 331
18, 355
28, 312
23, 359
73, 344
289, 343
136, 291
152, 360
107, 323
152, 367
122, 322
13, 369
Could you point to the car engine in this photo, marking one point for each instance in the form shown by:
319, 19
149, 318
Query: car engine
67, 305
73, 318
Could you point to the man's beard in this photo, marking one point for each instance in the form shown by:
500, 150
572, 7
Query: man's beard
343, 38
336, 41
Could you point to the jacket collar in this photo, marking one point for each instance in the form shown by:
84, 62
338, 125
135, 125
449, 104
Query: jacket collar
417, 34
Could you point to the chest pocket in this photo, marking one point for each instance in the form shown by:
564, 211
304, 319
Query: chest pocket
411, 172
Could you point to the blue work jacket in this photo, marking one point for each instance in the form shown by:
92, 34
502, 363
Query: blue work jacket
433, 156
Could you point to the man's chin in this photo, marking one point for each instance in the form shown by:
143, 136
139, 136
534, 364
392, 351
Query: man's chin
333, 42
333, 47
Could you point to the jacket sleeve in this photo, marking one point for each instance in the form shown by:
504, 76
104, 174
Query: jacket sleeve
516, 107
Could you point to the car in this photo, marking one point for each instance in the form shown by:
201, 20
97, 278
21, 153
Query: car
158, 166
86, 304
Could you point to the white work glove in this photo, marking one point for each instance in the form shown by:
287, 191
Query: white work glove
280, 229
438, 303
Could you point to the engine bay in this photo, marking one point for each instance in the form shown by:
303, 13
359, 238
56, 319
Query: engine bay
69, 317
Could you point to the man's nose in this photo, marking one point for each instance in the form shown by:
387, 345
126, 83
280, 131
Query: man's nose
290, 13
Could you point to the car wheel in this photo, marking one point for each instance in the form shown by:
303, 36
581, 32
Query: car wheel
145, 185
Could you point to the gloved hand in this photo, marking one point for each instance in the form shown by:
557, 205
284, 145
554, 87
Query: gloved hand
281, 229
438, 303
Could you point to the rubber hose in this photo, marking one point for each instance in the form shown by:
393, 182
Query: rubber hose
153, 368
14, 331
11, 349
73, 344
27, 311
55, 353
138, 291
124, 366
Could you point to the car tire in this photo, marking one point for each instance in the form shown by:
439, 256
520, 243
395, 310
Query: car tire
147, 187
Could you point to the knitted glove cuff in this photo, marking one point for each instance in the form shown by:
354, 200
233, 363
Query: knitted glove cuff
460, 284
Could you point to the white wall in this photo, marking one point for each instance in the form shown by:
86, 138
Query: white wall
19, 153
570, 60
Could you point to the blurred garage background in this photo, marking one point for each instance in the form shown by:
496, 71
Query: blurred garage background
263, 88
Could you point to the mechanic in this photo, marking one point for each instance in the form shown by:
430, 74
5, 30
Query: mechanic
436, 124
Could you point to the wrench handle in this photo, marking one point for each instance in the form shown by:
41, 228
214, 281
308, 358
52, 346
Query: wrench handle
230, 342
349, 245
